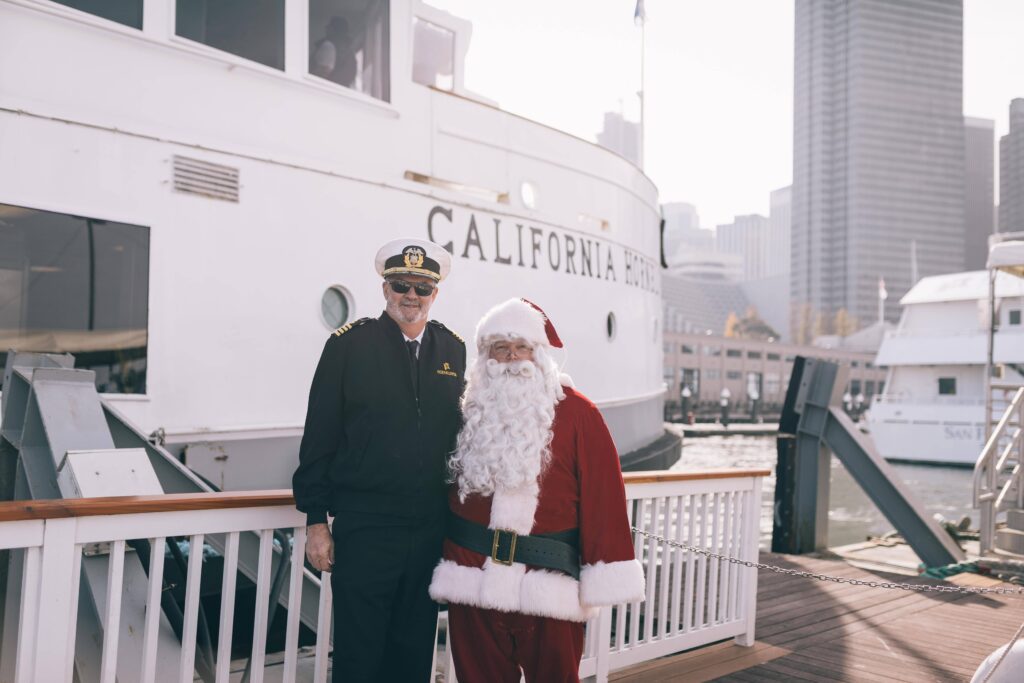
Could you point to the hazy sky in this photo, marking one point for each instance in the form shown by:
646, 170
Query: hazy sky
719, 80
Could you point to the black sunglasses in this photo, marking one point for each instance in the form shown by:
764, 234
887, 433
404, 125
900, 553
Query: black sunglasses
401, 287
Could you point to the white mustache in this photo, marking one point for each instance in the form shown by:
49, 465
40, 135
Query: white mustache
516, 368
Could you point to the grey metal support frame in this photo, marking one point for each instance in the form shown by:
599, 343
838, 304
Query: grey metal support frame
49, 408
816, 425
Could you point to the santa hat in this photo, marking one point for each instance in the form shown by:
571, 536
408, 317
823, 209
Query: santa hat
519, 319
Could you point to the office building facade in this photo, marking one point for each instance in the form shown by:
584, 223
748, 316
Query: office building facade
878, 151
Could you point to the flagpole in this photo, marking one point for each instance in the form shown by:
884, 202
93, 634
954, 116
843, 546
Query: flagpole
643, 93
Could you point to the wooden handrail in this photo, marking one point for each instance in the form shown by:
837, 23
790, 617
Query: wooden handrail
696, 475
119, 505
18, 510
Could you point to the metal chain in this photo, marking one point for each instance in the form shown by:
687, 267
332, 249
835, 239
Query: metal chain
913, 587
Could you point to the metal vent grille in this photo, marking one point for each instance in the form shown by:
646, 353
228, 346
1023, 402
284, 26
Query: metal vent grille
215, 181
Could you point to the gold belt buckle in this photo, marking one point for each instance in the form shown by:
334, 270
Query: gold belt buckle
511, 550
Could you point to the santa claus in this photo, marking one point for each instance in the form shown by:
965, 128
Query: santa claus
538, 535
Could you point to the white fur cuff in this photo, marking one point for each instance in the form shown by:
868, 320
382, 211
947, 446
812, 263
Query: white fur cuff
611, 583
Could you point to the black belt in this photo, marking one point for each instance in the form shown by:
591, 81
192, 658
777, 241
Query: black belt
559, 550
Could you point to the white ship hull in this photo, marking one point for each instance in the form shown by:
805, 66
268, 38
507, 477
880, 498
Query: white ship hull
327, 175
929, 433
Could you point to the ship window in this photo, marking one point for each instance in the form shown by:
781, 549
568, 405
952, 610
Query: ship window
712, 351
610, 326
349, 44
251, 29
686, 348
70, 284
433, 55
1014, 316
127, 12
733, 353
773, 356
947, 386
334, 307
753, 354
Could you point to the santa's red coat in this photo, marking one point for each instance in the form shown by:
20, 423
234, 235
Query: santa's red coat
580, 488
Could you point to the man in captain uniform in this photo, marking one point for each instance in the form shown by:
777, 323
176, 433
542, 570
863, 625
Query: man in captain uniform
382, 418
538, 535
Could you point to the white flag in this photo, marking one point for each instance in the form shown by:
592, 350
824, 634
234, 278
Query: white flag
882, 294
640, 13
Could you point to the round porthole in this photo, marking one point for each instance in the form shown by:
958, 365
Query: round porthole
610, 325
335, 307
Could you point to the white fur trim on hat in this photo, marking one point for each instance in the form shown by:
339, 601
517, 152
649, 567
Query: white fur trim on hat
512, 319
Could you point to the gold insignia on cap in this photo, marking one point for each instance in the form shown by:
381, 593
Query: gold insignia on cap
413, 257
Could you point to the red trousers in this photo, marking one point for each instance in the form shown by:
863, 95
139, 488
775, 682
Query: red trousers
497, 647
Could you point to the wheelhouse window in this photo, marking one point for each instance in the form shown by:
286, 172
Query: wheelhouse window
1014, 316
349, 44
127, 12
78, 285
251, 29
947, 386
433, 55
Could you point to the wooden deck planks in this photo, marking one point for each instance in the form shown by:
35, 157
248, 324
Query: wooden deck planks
817, 631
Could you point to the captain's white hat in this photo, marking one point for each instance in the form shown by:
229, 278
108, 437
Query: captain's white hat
408, 256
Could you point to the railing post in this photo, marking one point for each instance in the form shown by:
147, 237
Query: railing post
751, 547
54, 636
603, 643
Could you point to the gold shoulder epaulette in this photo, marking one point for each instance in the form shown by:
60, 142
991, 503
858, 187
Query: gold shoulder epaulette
441, 325
345, 328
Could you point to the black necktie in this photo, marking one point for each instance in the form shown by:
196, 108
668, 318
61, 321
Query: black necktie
414, 364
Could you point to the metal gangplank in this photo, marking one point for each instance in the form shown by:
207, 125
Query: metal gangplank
812, 428
48, 409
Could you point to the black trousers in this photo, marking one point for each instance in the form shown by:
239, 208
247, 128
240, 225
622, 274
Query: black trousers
384, 619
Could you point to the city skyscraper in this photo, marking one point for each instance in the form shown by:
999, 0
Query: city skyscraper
878, 151
979, 185
620, 136
1011, 171
746, 236
683, 233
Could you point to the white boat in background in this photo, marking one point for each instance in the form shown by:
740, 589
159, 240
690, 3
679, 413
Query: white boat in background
933, 406
190, 202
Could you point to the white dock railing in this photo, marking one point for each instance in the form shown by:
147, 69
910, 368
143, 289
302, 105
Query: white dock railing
691, 600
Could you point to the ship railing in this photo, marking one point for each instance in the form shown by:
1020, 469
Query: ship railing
998, 472
907, 399
691, 600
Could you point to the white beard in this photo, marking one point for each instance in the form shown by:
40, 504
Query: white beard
508, 410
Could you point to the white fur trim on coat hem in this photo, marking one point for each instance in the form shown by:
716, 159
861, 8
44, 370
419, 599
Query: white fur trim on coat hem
510, 589
609, 583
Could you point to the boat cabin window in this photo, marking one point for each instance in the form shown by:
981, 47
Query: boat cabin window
127, 12
79, 285
947, 386
251, 29
349, 44
433, 55
687, 348
1014, 316
733, 353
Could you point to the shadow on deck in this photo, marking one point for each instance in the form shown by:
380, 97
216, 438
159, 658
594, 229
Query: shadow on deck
815, 631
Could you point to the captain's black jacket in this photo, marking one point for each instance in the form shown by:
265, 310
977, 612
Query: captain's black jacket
369, 446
